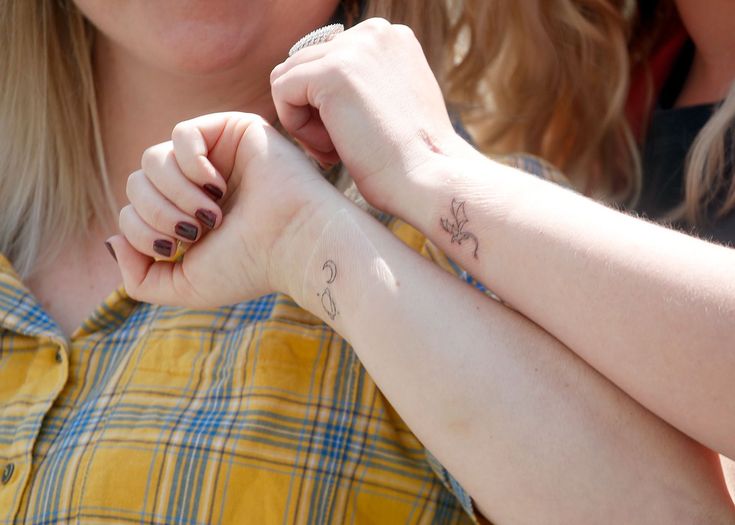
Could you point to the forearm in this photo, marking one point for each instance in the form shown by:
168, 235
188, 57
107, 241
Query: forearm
524, 424
650, 308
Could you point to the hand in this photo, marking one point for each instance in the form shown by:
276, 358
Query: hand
267, 188
369, 98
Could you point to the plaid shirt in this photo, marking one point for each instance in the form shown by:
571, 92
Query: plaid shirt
253, 413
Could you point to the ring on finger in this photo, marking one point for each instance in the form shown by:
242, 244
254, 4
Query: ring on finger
318, 36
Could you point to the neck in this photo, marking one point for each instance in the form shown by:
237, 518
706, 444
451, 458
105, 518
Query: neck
713, 69
139, 105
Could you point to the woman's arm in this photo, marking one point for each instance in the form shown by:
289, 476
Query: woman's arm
531, 431
650, 308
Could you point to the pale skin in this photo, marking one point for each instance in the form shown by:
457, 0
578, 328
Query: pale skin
710, 77
581, 447
156, 64
136, 88
533, 432
693, 330
625, 311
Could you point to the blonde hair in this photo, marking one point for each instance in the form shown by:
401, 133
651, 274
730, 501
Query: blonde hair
53, 178
709, 186
547, 77
555, 84
52, 171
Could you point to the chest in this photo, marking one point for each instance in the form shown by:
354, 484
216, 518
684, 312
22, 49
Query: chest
75, 283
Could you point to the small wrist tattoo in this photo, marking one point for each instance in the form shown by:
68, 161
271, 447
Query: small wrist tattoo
456, 228
330, 307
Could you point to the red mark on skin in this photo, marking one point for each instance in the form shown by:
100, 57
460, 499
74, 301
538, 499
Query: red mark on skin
429, 141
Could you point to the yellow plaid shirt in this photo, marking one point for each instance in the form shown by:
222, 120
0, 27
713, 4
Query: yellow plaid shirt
253, 413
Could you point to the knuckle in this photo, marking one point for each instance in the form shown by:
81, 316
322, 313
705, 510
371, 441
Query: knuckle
124, 218
180, 130
376, 24
182, 137
168, 165
245, 123
275, 73
340, 65
152, 156
133, 291
404, 32
247, 146
147, 157
134, 180
277, 86
256, 119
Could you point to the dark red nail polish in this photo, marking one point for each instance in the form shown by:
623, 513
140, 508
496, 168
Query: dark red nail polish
111, 250
186, 230
163, 247
206, 217
213, 191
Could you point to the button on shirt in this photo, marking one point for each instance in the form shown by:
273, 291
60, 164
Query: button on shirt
7, 473
253, 413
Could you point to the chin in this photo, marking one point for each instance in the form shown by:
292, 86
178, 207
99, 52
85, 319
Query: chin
207, 54
206, 36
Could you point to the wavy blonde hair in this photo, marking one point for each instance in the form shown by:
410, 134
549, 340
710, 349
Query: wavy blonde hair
555, 81
555, 85
52, 171
709, 185
546, 77
53, 178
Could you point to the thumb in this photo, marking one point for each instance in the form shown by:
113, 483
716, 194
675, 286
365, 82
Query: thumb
148, 280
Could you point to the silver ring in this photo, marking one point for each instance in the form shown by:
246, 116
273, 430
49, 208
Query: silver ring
318, 36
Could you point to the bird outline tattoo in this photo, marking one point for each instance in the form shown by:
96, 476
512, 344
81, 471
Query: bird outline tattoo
456, 228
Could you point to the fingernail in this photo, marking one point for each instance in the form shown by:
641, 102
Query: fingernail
213, 191
186, 230
111, 250
324, 166
163, 247
206, 217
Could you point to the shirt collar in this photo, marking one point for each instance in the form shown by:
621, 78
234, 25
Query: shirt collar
20, 311
113, 311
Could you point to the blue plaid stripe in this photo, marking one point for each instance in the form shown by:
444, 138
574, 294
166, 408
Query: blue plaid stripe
255, 412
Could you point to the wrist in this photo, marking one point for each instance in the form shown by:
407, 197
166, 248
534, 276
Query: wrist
291, 253
409, 188
456, 200
421, 191
344, 265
